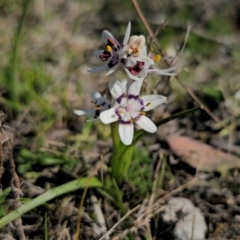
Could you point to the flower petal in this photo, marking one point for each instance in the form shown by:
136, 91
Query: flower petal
166, 72
111, 83
116, 89
144, 52
126, 129
95, 95
130, 61
146, 124
97, 54
87, 113
135, 87
112, 69
109, 116
152, 101
122, 53
101, 68
106, 35
127, 34
124, 84
147, 61
135, 77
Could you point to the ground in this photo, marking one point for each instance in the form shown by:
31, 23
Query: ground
46, 49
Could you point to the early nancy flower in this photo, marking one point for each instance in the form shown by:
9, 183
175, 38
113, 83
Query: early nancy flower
135, 45
113, 52
130, 108
101, 104
139, 63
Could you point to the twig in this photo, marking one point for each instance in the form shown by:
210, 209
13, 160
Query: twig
184, 44
123, 218
157, 44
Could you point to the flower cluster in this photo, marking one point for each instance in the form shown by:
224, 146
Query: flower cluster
126, 105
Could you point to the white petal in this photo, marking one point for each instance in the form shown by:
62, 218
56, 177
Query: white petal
147, 61
146, 124
130, 61
135, 87
109, 116
97, 54
152, 101
135, 77
124, 84
114, 103
140, 77
112, 69
95, 95
166, 72
116, 89
122, 52
129, 82
144, 52
87, 113
126, 130
107, 35
111, 83
101, 68
101, 101
127, 34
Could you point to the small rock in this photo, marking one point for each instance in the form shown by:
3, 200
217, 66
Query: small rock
186, 221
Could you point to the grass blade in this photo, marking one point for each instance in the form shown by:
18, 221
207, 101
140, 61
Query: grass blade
48, 195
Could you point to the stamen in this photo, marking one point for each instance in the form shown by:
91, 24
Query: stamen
157, 58
135, 50
148, 104
142, 113
151, 49
120, 111
108, 48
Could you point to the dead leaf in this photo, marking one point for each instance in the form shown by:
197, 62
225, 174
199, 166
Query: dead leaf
202, 156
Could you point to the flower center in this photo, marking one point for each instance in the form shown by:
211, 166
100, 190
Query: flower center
128, 108
110, 50
136, 68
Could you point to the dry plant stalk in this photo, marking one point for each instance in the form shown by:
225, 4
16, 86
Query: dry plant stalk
78, 225
121, 220
157, 44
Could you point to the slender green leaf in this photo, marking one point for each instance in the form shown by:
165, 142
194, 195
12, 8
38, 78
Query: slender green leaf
48, 195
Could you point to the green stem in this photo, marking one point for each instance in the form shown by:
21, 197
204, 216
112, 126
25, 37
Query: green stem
122, 155
115, 135
120, 161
